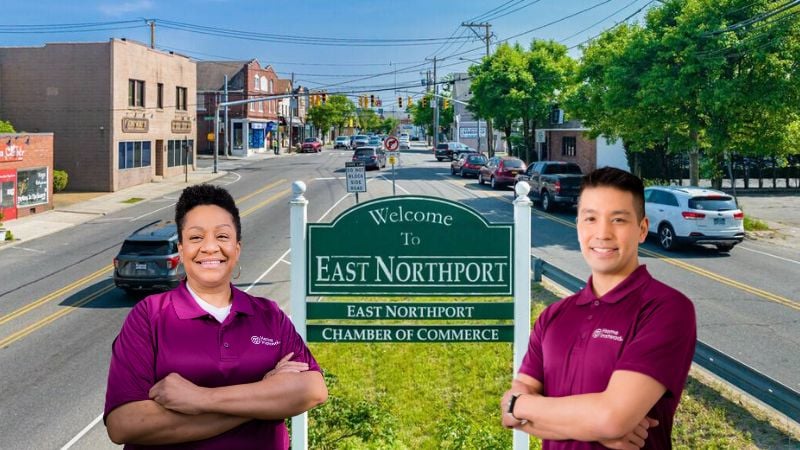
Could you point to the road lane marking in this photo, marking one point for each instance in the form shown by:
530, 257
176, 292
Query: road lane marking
55, 294
265, 202
238, 177
271, 185
153, 212
52, 317
86, 429
768, 254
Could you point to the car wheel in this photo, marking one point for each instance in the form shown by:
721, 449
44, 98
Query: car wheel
725, 247
480, 178
666, 237
439, 159
493, 183
463, 175
547, 202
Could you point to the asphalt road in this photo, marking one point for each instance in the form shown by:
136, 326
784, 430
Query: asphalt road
59, 311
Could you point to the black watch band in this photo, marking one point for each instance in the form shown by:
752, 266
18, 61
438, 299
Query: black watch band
511, 404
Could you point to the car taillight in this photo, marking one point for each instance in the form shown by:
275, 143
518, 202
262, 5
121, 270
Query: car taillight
116, 263
373, 157
557, 186
173, 262
689, 215
739, 215
355, 159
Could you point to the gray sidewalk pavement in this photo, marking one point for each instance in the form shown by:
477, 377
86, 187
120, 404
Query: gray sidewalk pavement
26, 229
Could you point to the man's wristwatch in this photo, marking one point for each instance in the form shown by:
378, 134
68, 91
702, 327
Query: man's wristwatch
511, 404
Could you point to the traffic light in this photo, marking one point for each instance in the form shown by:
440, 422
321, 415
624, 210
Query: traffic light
324, 97
446, 103
410, 102
399, 102
371, 101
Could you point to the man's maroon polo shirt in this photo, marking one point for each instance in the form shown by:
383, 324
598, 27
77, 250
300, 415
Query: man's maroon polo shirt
169, 332
641, 325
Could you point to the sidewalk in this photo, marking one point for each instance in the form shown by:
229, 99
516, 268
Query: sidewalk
74, 208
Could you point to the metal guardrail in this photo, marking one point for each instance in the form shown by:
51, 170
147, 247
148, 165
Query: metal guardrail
771, 392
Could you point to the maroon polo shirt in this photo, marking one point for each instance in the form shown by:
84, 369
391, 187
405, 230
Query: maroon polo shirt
641, 325
169, 332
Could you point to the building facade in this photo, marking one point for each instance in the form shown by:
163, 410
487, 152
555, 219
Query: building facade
568, 142
119, 110
26, 174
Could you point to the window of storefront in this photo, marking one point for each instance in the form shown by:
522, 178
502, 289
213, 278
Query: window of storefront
32, 187
177, 155
568, 146
180, 98
136, 93
134, 154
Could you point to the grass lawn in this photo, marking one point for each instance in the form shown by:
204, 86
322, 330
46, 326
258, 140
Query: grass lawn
445, 396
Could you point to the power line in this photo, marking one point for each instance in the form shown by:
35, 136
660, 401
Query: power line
602, 20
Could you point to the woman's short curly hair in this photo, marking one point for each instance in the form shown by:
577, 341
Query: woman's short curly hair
206, 194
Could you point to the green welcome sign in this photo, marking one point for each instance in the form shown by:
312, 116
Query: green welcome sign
410, 246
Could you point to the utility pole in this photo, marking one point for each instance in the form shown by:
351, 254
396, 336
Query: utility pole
152, 34
435, 107
487, 36
226, 128
292, 101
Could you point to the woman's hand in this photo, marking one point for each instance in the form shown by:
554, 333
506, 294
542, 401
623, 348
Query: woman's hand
285, 365
178, 394
633, 440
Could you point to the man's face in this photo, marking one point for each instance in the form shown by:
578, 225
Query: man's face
609, 232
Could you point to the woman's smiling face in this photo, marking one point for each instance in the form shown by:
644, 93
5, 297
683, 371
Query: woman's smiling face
209, 247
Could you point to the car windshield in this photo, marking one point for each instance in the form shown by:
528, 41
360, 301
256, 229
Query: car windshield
342, 138
713, 203
513, 163
563, 168
310, 140
361, 136
477, 159
365, 152
441, 147
146, 248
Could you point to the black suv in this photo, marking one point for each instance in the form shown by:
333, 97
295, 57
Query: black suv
149, 260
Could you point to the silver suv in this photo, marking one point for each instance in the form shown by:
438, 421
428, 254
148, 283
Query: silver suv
149, 259
693, 215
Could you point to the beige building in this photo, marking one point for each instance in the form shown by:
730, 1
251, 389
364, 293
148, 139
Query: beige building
120, 111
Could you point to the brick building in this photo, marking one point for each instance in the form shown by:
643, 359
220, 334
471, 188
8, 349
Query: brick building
568, 142
26, 174
254, 126
119, 110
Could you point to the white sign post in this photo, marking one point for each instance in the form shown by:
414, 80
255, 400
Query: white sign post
522, 286
297, 247
356, 177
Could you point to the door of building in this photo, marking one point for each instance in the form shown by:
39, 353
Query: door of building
160, 157
8, 193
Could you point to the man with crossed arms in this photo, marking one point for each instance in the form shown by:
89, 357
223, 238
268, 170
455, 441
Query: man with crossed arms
605, 367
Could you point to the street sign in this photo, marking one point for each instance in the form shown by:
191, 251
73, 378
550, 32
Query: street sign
394, 158
409, 245
392, 143
540, 136
356, 176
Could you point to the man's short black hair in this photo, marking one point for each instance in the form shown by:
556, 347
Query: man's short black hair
206, 194
617, 179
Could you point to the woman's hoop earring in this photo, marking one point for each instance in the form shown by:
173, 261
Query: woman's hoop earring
239, 273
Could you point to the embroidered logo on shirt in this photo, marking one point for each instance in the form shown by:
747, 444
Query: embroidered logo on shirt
604, 333
261, 340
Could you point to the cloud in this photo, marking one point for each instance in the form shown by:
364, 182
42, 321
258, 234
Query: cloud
118, 9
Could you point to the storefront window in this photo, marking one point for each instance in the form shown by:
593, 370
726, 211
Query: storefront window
32, 187
133, 154
238, 135
176, 155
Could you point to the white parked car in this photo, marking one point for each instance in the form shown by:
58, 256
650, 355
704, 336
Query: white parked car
693, 215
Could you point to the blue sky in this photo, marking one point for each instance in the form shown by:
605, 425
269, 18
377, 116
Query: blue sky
337, 67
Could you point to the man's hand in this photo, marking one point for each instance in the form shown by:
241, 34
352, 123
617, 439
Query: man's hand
178, 394
633, 440
508, 420
285, 365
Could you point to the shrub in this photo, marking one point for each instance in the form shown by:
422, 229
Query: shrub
60, 179
9, 235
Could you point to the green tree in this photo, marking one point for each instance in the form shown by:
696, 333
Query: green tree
388, 125
342, 110
323, 117
422, 114
368, 120
6, 127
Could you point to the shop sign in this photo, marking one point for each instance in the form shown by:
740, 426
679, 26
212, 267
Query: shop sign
12, 153
135, 125
182, 126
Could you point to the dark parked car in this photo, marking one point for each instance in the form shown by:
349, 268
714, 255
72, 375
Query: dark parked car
501, 171
311, 145
451, 150
372, 157
468, 164
149, 260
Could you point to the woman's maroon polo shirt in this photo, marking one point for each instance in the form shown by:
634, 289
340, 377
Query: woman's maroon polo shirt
169, 332
641, 325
